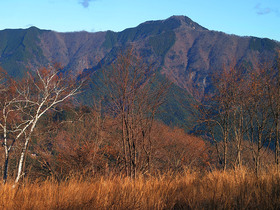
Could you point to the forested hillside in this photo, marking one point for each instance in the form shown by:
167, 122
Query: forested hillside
179, 48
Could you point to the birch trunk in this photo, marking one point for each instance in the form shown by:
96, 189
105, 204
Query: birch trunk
24, 150
6, 167
225, 152
21, 160
6, 164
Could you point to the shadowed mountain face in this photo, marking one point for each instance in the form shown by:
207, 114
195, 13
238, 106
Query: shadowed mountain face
187, 53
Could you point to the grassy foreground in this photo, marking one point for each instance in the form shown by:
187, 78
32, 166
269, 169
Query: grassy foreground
213, 190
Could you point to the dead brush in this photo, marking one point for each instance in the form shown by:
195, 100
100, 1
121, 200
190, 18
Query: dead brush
232, 189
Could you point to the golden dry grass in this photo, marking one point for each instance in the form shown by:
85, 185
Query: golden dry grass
237, 189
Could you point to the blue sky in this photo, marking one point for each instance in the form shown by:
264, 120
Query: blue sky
259, 18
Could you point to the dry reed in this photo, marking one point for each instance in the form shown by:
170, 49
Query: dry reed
235, 189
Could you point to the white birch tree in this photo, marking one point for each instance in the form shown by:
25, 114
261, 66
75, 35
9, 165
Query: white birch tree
33, 97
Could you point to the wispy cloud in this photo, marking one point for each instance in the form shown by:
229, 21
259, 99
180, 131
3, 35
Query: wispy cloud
85, 3
265, 10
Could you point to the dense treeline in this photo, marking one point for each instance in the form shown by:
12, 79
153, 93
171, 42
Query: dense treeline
243, 113
92, 146
46, 133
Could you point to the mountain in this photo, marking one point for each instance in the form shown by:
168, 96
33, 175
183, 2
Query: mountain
25, 49
182, 49
187, 53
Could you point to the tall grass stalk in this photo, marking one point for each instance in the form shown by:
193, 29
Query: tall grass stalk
235, 189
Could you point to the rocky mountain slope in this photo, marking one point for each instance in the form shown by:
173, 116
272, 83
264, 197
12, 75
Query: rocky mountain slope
184, 51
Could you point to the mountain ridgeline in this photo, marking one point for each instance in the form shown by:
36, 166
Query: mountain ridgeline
182, 50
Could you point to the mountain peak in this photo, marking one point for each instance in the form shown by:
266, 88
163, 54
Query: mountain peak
186, 22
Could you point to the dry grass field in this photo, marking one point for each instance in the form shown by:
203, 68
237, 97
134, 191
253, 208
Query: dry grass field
236, 189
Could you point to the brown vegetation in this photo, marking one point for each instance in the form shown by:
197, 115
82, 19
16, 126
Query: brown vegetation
120, 157
242, 111
239, 189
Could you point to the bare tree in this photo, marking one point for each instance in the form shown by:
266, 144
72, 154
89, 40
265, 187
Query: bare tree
134, 99
259, 114
223, 112
9, 118
273, 86
33, 97
215, 112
